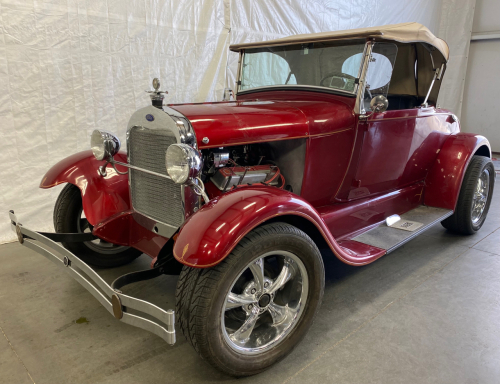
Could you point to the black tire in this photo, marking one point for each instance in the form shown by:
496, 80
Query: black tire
67, 219
462, 220
201, 294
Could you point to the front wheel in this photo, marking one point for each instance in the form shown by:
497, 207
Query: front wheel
69, 218
249, 311
474, 199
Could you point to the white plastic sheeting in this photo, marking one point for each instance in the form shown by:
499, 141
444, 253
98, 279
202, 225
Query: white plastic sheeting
69, 66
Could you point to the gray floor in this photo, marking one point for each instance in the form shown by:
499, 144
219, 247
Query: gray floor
427, 313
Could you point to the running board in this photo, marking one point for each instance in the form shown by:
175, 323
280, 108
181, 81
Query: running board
390, 238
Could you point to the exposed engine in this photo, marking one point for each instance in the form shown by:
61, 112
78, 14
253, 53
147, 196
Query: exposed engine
233, 166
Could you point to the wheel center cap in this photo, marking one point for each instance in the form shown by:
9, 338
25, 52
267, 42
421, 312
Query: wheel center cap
264, 300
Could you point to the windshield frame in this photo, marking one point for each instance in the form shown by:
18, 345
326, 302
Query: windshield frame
317, 88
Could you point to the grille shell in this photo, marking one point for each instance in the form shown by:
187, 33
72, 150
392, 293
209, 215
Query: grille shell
153, 196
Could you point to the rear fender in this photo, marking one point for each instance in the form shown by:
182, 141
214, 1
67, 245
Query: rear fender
102, 197
210, 234
444, 180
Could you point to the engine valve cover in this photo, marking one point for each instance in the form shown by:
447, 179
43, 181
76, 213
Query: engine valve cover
226, 178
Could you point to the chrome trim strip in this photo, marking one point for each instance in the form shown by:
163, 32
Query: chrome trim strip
239, 74
359, 107
113, 161
298, 86
101, 290
186, 134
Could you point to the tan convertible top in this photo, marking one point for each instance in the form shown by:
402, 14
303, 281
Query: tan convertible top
403, 33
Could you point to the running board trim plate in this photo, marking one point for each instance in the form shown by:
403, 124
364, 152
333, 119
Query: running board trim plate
390, 238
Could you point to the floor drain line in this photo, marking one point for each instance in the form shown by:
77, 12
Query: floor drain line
15, 353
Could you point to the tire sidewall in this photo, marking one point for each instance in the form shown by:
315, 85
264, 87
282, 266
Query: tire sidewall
68, 207
239, 363
487, 165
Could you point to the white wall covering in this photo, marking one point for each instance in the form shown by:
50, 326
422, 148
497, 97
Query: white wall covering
69, 66
455, 28
479, 111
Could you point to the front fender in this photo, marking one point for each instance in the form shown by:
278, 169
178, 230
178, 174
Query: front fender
444, 180
209, 235
102, 197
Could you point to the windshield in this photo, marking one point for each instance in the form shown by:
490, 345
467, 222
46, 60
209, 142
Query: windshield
334, 65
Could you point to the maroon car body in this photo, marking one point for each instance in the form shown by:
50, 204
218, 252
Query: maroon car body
345, 159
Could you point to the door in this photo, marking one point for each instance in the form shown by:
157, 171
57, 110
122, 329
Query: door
385, 152
401, 143
399, 148
388, 135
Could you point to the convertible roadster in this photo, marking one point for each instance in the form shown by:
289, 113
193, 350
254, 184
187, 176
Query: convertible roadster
334, 140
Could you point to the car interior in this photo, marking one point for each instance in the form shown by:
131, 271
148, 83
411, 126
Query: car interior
412, 76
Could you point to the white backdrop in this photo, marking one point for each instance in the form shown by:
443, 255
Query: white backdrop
69, 66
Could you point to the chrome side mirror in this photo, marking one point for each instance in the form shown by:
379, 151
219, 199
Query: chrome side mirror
379, 103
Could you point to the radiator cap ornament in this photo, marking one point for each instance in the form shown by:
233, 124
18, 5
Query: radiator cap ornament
156, 95
156, 84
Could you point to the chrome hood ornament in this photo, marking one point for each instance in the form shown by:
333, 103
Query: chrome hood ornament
157, 95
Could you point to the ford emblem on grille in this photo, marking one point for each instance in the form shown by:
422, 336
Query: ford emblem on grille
149, 117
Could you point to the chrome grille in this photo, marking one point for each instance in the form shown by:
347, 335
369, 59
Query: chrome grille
153, 196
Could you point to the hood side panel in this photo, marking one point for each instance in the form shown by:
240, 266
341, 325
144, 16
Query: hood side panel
244, 122
277, 115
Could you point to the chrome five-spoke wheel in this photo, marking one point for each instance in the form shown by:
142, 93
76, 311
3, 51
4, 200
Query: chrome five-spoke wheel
480, 196
250, 310
265, 302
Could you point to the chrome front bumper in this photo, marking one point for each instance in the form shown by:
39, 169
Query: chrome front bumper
115, 302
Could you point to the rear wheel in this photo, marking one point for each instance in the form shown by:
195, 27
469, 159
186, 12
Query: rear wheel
249, 311
69, 218
474, 199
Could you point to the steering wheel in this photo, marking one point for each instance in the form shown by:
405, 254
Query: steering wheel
337, 75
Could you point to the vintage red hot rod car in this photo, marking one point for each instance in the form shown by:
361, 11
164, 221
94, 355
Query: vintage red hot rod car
334, 140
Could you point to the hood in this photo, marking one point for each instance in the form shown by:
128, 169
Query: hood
243, 122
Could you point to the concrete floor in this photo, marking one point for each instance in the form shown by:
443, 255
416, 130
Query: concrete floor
427, 313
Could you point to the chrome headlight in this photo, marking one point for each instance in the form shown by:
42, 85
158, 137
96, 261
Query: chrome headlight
104, 144
183, 162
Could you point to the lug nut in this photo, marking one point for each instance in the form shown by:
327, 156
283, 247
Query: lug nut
250, 306
253, 290
266, 284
